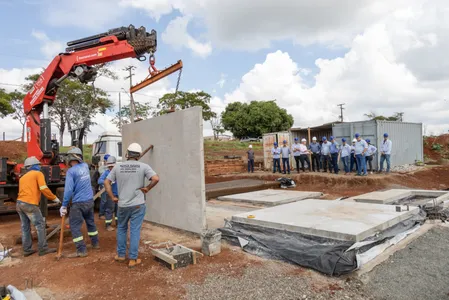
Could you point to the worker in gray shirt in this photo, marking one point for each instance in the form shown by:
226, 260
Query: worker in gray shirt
315, 148
130, 178
285, 150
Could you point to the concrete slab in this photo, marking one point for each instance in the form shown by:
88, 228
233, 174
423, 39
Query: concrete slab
218, 211
214, 190
178, 157
404, 196
348, 221
271, 197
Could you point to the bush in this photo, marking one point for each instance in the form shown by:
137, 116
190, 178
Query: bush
437, 147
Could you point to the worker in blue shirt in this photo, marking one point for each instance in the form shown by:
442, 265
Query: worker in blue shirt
111, 207
326, 155
360, 150
285, 157
385, 153
103, 199
334, 151
370, 155
345, 153
78, 189
276, 152
315, 148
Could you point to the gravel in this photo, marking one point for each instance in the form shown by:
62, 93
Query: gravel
406, 168
420, 271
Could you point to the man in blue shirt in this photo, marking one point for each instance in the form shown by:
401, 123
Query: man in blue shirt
315, 148
285, 157
385, 153
276, 152
78, 189
103, 199
360, 149
334, 151
110, 207
326, 155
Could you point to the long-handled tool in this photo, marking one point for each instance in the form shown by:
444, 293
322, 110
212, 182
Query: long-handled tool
61, 238
141, 155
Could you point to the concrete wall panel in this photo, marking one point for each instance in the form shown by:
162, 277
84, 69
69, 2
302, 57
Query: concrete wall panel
179, 199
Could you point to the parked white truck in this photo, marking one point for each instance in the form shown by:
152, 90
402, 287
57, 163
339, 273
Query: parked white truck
107, 143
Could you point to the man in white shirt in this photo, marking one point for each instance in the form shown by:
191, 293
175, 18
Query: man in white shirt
370, 155
385, 153
304, 155
345, 153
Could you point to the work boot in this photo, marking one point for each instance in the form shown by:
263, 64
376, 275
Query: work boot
110, 228
77, 254
47, 251
28, 253
134, 262
119, 259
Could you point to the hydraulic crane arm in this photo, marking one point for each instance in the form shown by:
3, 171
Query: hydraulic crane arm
77, 62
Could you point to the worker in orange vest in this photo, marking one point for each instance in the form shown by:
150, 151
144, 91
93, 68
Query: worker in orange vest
31, 185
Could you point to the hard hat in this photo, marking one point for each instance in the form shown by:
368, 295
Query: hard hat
111, 161
75, 150
354, 140
331, 138
357, 135
303, 140
106, 156
275, 144
324, 138
314, 138
31, 161
134, 147
250, 146
296, 139
343, 140
368, 140
385, 134
284, 142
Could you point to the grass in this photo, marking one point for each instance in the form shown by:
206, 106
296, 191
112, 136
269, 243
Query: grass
230, 145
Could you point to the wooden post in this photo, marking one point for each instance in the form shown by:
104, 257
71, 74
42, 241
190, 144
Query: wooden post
308, 131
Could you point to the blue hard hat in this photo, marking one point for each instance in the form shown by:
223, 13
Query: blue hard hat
296, 139
385, 134
275, 144
106, 156
368, 140
357, 135
285, 142
331, 138
324, 138
343, 140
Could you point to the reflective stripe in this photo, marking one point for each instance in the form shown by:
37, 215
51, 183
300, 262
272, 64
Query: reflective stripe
116, 218
108, 221
43, 187
78, 239
92, 233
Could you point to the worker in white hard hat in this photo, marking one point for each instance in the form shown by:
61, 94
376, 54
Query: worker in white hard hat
250, 153
304, 155
130, 178
31, 185
78, 191
353, 160
110, 206
315, 148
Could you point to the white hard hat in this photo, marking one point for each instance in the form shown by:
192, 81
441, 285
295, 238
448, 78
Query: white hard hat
111, 161
314, 138
354, 140
134, 147
31, 161
250, 146
303, 140
75, 150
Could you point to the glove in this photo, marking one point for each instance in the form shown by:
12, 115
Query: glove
57, 201
63, 211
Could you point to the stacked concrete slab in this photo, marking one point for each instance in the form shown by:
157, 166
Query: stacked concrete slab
394, 195
271, 197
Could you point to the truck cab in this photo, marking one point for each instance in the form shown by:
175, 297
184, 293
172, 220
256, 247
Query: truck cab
107, 143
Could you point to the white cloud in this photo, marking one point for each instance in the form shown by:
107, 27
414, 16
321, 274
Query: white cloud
177, 36
49, 47
222, 80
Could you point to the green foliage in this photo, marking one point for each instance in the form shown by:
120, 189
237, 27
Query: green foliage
437, 147
396, 117
255, 118
183, 100
142, 110
5, 104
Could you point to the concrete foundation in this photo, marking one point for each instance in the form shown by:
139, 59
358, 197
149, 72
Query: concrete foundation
271, 197
338, 220
404, 196
178, 158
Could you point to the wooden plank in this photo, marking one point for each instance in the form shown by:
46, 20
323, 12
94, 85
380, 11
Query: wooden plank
165, 257
158, 76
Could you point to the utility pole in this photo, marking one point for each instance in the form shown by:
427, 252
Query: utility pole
132, 107
341, 110
120, 111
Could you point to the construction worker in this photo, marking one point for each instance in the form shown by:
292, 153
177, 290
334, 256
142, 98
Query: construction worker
360, 149
325, 155
111, 207
370, 154
345, 153
276, 152
77, 189
296, 152
385, 153
130, 178
315, 148
31, 185
250, 153
353, 160
103, 199
334, 151
285, 150
304, 155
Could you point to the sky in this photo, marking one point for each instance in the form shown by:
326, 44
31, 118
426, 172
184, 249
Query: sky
373, 56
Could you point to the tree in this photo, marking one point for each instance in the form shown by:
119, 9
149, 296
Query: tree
16, 100
5, 104
217, 127
183, 100
143, 111
396, 117
255, 118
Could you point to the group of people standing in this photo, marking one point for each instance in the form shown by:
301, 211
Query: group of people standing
327, 154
